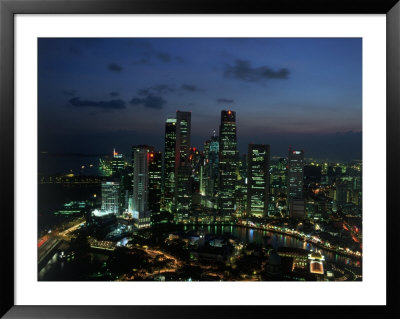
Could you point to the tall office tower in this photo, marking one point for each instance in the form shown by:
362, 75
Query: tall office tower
183, 169
135, 149
141, 212
182, 145
227, 164
258, 179
204, 168
183, 193
169, 163
117, 163
211, 167
110, 197
155, 173
341, 194
125, 188
295, 201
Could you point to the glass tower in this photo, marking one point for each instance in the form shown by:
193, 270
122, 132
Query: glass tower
169, 162
141, 212
295, 183
227, 164
258, 179
110, 197
155, 171
183, 170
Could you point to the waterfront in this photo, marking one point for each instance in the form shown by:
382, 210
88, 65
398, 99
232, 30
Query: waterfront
276, 240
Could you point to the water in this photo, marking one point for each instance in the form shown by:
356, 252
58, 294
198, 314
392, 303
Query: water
51, 198
276, 240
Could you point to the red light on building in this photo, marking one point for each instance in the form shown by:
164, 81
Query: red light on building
229, 112
151, 155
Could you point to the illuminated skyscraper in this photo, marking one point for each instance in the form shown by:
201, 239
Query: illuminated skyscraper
211, 151
110, 197
169, 162
117, 163
182, 145
183, 169
258, 179
295, 202
227, 164
141, 211
136, 149
183, 193
155, 171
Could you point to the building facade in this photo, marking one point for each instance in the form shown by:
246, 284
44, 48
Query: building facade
155, 174
183, 169
141, 211
110, 197
227, 165
258, 179
295, 200
169, 163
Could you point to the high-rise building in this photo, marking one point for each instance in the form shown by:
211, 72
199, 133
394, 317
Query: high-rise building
183, 169
295, 201
227, 164
141, 211
110, 197
135, 149
117, 162
258, 179
169, 163
125, 188
155, 173
183, 193
182, 145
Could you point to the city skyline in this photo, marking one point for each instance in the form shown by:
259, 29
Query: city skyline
96, 104
182, 197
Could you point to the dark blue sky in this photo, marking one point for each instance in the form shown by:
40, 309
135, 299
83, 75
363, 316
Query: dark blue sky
97, 94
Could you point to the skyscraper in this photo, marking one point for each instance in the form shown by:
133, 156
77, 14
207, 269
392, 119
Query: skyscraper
295, 202
211, 153
141, 212
154, 195
117, 163
183, 170
110, 197
227, 164
258, 179
169, 163
136, 149
182, 145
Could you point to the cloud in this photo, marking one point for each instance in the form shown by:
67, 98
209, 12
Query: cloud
114, 94
158, 89
106, 105
164, 57
222, 100
150, 101
114, 67
149, 54
190, 88
242, 70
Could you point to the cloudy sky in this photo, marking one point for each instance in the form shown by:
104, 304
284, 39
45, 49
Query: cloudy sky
97, 94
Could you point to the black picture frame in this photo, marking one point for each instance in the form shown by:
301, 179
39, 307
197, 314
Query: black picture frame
9, 8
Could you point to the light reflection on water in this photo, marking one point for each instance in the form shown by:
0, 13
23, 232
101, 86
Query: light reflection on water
276, 240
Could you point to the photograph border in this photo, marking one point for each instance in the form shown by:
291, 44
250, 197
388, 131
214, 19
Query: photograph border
8, 8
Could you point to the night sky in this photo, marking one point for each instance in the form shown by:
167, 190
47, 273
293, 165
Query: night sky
97, 94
